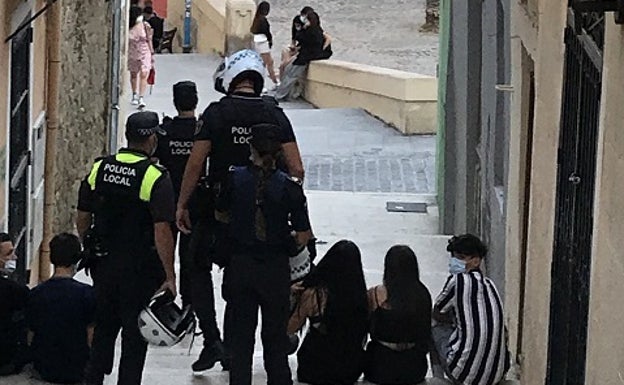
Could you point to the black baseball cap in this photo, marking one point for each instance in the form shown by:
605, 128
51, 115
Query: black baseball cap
265, 138
142, 125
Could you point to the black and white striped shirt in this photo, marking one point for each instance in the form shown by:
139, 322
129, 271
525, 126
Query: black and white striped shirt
478, 345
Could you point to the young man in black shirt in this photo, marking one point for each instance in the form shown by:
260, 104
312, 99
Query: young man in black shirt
60, 316
223, 134
13, 301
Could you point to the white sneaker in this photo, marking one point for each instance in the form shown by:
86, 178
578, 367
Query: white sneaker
141, 103
134, 100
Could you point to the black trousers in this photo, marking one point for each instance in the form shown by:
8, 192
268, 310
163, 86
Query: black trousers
120, 297
196, 284
258, 281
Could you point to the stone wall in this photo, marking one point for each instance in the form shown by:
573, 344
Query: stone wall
432, 16
84, 100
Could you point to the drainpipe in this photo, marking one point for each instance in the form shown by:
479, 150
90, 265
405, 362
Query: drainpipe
53, 43
113, 124
186, 46
444, 41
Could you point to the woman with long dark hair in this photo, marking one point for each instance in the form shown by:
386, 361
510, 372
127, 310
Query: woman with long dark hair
260, 204
400, 323
140, 54
263, 39
333, 299
310, 41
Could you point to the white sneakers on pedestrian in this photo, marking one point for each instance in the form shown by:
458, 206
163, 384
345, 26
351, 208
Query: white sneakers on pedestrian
141, 103
135, 100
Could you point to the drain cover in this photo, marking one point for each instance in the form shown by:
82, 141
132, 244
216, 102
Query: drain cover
406, 207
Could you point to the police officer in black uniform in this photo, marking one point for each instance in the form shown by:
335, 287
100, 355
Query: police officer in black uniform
224, 131
127, 202
175, 142
261, 204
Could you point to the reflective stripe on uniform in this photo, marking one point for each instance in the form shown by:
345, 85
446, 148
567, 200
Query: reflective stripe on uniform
149, 179
93, 174
126, 157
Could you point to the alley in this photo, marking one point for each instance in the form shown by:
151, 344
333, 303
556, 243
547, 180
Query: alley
355, 164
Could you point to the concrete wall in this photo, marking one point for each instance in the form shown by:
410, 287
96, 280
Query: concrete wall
84, 100
476, 126
218, 26
404, 100
605, 350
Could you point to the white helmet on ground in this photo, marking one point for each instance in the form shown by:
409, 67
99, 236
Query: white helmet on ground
163, 323
245, 63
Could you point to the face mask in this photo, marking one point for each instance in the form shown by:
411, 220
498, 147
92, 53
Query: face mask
139, 19
456, 266
10, 265
303, 19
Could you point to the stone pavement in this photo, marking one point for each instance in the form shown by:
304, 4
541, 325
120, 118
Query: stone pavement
382, 33
355, 166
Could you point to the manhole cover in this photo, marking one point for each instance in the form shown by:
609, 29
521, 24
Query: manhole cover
406, 207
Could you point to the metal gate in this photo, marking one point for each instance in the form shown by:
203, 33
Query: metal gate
575, 199
19, 155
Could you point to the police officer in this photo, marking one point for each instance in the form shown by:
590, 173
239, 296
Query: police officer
174, 148
175, 142
224, 131
257, 203
129, 202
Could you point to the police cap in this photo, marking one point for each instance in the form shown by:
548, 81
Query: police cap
185, 95
142, 125
265, 138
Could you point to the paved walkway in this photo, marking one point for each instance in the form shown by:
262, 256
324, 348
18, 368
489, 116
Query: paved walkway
352, 162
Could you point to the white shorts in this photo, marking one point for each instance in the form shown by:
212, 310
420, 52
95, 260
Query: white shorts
261, 44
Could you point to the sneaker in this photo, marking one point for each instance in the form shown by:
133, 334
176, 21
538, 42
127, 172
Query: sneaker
135, 100
208, 357
141, 103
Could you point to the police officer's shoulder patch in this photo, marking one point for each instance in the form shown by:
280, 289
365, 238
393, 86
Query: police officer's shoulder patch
296, 180
198, 126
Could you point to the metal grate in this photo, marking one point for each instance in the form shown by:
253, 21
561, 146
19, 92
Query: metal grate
406, 207
574, 206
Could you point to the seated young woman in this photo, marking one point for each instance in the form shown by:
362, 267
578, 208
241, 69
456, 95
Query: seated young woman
333, 299
400, 323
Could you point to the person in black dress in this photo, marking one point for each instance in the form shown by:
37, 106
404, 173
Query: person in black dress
400, 323
333, 299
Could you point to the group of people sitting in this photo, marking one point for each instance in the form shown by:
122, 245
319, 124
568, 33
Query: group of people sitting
50, 325
308, 42
463, 332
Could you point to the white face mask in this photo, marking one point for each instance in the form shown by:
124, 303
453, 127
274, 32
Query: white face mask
303, 19
10, 265
139, 19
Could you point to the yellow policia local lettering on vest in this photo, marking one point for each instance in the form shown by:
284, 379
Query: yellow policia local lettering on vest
119, 174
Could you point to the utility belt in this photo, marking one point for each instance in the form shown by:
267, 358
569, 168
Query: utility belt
93, 252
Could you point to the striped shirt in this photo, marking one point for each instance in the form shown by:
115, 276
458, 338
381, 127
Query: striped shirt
478, 350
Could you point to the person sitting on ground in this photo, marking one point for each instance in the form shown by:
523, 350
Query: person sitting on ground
333, 299
13, 302
310, 41
60, 316
400, 322
468, 329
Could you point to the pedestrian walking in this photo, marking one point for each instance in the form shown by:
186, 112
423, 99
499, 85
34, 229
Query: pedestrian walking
223, 135
257, 204
126, 206
263, 39
140, 55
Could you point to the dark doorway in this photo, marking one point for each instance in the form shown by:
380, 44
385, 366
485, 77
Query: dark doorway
575, 199
19, 156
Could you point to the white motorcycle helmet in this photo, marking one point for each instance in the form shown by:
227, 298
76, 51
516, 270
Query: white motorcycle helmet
300, 265
163, 323
242, 63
